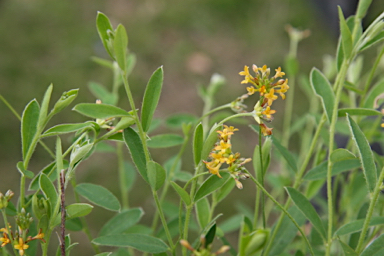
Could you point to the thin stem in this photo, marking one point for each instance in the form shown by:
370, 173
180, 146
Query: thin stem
368, 217
122, 178
22, 191
10, 107
234, 116
9, 232
260, 186
262, 179
163, 220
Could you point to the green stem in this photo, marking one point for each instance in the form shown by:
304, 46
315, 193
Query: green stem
260, 186
163, 220
234, 116
122, 178
262, 179
338, 88
44, 246
368, 217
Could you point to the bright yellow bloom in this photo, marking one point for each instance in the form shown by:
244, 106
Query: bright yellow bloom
213, 168
382, 125
21, 246
230, 159
279, 73
226, 133
223, 146
247, 76
271, 96
265, 71
283, 89
268, 112
218, 158
251, 90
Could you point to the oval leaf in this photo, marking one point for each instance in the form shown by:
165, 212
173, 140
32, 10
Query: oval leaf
120, 44
307, 209
165, 141
203, 211
182, 193
151, 97
323, 89
156, 175
140, 242
346, 36
198, 143
121, 222
65, 99
98, 195
103, 26
78, 210
365, 153
29, 122
100, 111
133, 142
211, 184
341, 154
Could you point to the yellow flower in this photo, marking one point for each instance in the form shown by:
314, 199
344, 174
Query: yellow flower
265, 71
223, 146
271, 96
283, 89
5, 239
21, 246
382, 125
251, 90
230, 159
268, 112
279, 73
213, 168
247, 76
265, 130
227, 132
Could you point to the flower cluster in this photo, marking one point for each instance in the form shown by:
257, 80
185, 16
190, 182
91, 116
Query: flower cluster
267, 88
222, 154
20, 238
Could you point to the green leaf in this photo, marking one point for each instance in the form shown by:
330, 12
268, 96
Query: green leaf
374, 92
78, 154
202, 212
175, 121
29, 122
100, 111
357, 112
21, 169
182, 176
225, 190
156, 175
100, 92
65, 128
165, 141
210, 141
307, 209
182, 193
375, 248
120, 44
103, 28
285, 153
210, 185
65, 99
320, 171
365, 153
323, 89
121, 222
376, 39
44, 108
362, 8
78, 210
151, 97
98, 195
341, 154
198, 140
49, 191
133, 141
357, 225
348, 251
346, 36
140, 242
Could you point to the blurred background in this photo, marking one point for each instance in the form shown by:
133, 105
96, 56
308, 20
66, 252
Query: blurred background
43, 42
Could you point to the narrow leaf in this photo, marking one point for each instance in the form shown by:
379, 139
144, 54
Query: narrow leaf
365, 153
323, 89
375, 248
320, 171
140, 242
307, 209
103, 28
44, 108
29, 122
202, 212
165, 141
98, 195
357, 112
120, 44
182, 193
121, 222
156, 175
78, 210
65, 128
100, 111
133, 141
346, 36
210, 185
65, 99
198, 138
357, 225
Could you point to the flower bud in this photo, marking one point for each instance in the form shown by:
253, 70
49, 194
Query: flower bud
4, 199
23, 219
258, 241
